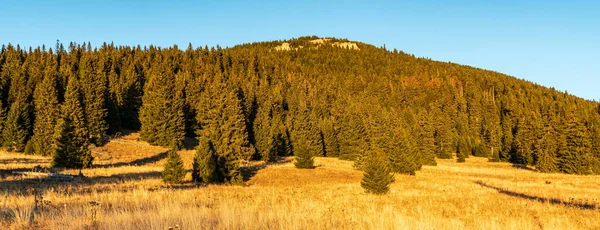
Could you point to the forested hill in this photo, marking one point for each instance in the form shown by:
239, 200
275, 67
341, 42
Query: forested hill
330, 97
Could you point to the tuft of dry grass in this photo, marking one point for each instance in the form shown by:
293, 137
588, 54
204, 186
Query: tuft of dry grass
471, 195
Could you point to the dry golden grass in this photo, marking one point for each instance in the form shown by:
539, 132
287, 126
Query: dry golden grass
472, 195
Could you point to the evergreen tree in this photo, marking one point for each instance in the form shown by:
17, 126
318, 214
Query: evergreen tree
595, 135
390, 137
443, 142
462, 150
94, 89
70, 148
525, 137
330, 137
263, 135
2, 119
377, 175
305, 139
304, 158
16, 126
222, 121
174, 172
162, 115
506, 139
577, 158
491, 131
425, 134
47, 111
443, 134
546, 149
353, 136
206, 164
404, 157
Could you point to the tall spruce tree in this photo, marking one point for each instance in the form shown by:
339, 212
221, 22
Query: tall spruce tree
47, 112
462, 150
93, 84
577, 158
206, 167
263, 134
491, 131
393, 139
525, 138
426, 140
354, 140
305, 140
70, 148
2, 118
546, 149
222, 121
507, 138
162, 115
331, 137
404, 155
16, 127
377, 175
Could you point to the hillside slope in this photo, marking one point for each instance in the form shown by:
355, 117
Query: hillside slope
330, 97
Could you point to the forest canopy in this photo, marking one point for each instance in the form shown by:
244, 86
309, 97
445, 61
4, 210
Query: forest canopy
317, 97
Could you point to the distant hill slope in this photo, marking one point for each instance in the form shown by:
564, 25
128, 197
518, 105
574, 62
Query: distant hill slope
331, 97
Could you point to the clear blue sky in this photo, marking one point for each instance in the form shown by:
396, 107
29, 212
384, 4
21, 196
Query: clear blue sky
553, 43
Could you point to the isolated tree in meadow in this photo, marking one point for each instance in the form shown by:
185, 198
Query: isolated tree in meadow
173, 172
304, 158
377, 175
70, 148
206, 166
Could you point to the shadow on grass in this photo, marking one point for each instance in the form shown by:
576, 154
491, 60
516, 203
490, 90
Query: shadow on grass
554, 201
251, 170
522, 166
24, 161
190, 143
79, 185
138, 162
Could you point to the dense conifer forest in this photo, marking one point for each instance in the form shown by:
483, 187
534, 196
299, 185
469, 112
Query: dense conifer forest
313, 97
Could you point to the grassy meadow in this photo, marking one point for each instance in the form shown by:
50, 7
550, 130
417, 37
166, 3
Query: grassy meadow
124, 191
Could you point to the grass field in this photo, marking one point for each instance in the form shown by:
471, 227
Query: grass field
125, 191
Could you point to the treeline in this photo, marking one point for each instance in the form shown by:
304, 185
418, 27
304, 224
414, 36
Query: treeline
252, 102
